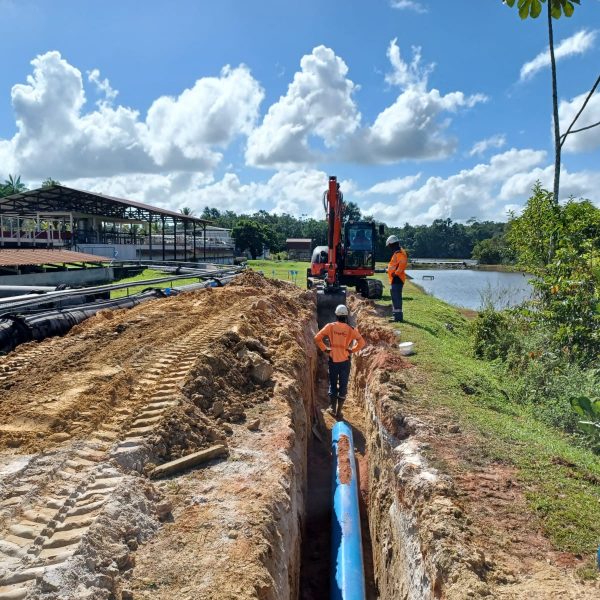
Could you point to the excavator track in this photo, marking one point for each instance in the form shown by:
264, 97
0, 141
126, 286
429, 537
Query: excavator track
50, 501
371, 288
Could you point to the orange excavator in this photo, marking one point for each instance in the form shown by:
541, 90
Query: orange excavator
347, 260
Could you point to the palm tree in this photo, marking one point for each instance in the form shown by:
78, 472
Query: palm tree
12, 185
187, 212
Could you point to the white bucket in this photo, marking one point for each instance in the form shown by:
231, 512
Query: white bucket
406, 348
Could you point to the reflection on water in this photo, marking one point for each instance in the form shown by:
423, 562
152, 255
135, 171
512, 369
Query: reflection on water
473, 289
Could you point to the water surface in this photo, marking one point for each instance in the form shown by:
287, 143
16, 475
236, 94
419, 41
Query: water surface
471, 289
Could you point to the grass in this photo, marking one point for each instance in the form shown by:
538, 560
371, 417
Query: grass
561, 479
275, 269
148, 274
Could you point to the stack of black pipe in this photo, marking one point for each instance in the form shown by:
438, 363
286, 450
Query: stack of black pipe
18, 329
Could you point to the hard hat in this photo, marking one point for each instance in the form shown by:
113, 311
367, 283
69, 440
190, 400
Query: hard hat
393, 239
341, 311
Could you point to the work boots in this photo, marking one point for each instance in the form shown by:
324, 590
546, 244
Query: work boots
332, 410
340, 404
397, 317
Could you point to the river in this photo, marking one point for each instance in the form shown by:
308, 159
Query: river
471, 289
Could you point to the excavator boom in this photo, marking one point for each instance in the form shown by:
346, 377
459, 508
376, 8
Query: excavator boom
335, 208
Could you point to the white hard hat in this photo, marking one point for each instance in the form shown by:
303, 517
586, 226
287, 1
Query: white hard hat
341, 311
393, 239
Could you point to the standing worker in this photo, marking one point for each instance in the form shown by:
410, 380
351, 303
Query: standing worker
344, 340
397, 275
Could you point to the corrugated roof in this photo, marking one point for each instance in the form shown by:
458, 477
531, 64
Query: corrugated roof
21, 257
54, 192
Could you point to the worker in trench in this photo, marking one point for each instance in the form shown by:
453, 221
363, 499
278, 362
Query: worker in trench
397, 275
344, 340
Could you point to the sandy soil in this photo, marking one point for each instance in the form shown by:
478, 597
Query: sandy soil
85, 418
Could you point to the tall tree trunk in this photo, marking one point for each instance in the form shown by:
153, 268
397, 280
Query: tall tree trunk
557, 146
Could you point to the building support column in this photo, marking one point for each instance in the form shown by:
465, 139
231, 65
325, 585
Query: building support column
174, 238
194, 239
163, 236
185, 226
150, 237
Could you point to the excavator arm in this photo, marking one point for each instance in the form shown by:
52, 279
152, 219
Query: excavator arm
335, 211
332, 293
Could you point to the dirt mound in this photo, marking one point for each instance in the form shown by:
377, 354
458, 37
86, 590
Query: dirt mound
126, 390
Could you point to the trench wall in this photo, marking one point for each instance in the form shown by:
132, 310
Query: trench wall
298, 386
419, 532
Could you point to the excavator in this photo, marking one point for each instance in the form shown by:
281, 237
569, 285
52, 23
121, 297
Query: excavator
347, 260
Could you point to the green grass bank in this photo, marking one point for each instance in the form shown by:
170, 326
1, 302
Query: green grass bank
147, 274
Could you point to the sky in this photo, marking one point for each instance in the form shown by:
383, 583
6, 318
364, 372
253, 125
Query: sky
423, 109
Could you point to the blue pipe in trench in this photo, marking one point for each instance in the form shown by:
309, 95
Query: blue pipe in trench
347, 573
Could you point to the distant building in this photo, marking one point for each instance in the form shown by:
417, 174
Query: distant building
59, 217
299, 248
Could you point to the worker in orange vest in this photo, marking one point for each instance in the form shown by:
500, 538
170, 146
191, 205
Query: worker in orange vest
397, 275
344, 340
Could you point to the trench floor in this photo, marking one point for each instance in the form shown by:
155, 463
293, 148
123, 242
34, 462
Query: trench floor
316, 545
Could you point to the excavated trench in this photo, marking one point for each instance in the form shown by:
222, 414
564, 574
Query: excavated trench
87, 418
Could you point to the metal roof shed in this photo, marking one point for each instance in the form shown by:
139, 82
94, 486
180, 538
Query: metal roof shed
57, 202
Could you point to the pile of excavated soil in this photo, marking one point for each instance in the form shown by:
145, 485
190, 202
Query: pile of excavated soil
85, 418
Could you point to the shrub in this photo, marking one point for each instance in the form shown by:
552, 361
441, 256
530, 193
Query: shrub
589, 410
493, 334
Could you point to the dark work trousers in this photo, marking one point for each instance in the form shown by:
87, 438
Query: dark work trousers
339, 373
397, 299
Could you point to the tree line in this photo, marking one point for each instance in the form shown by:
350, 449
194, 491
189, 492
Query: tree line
483, 240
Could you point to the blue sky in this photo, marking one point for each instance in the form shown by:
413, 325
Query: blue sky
250, 105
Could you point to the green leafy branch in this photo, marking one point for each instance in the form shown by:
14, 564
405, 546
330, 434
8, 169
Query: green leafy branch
533, 8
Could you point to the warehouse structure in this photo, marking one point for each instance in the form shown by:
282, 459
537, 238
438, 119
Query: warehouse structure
62, 217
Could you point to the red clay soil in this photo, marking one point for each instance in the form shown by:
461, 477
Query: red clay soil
344, 466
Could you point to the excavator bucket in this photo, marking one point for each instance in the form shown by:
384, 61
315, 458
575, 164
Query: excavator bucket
327, 301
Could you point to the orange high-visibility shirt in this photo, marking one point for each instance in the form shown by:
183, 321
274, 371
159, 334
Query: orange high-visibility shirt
397, 265
343, 340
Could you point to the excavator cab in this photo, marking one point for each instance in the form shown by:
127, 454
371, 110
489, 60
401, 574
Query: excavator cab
360, 241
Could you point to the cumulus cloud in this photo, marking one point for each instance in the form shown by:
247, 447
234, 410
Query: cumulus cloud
581, 184
582, 141
414, 126
579, 43
406, 74
56, 136
318, 103
103, 86
166, 190
481, 147
487, 190
471, 192
298, 192
408, 5
392, 186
